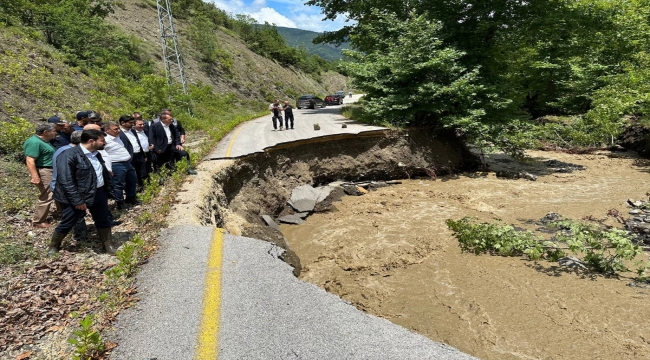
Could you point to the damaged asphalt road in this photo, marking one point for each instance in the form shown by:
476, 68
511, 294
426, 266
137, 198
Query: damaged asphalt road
206, 294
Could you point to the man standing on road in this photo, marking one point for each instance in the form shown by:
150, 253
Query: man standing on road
83, 183
276, 112
288, 114
39, 152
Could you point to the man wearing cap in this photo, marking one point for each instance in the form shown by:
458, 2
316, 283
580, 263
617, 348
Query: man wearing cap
63, 132
38, 153
82, 120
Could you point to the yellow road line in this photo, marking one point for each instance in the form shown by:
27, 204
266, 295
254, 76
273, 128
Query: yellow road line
208, 339
232, 141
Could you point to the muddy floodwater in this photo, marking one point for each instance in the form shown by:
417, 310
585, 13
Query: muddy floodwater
390, 254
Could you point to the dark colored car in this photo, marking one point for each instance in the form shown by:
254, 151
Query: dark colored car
310, 101
333, 100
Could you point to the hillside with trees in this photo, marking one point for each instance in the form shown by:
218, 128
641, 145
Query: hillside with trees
503, 73
299, 38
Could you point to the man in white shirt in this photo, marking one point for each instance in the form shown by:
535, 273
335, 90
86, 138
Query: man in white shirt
124, 175
141, 132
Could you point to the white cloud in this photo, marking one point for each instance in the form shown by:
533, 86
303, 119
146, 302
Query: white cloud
286, 13
271, 16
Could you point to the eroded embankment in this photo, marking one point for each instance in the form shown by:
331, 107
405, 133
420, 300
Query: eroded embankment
262, 183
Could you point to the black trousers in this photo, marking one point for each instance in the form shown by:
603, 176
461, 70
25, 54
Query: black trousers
169, 157
140, 165
98, 210
287, 117
275, 120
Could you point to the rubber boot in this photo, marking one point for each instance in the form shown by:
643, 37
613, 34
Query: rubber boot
55, 243
106, 238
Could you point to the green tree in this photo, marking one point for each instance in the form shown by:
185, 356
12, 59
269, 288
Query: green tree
408, 76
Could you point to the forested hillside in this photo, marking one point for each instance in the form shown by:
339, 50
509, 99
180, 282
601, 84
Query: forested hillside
489, 68
299, 38
66, 55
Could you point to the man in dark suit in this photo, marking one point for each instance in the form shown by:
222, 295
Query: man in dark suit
132, 144
166, 142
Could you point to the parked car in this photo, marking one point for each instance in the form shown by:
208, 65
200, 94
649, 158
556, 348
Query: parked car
333, 100
310, 101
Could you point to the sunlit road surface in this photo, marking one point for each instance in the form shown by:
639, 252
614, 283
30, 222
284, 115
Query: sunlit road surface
256, 135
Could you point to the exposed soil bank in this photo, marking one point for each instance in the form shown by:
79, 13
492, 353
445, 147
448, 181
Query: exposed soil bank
262, 183
390, 253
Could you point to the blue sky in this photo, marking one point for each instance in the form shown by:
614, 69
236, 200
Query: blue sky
286, 13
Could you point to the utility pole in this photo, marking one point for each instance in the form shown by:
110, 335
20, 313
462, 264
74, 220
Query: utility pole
171, 52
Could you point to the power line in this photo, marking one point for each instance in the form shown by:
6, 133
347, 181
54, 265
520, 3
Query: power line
174, 70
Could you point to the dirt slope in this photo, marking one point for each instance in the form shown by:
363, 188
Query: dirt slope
252, 76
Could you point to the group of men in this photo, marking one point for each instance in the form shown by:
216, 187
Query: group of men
80, 165
276, 109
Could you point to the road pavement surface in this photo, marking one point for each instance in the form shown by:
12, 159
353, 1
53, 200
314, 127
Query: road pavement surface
207, 294
256, 135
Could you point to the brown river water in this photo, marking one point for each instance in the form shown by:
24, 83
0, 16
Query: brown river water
390, 254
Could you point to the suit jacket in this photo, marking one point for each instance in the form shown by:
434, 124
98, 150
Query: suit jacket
76, 180
158, 138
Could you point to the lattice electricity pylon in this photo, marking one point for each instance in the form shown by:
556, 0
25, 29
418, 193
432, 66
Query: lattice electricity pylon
171, 52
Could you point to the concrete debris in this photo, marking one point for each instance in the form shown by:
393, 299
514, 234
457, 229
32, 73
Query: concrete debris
302, 215
291, 219
323, 193
304, 198
269, 221
633, 203
635, 212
